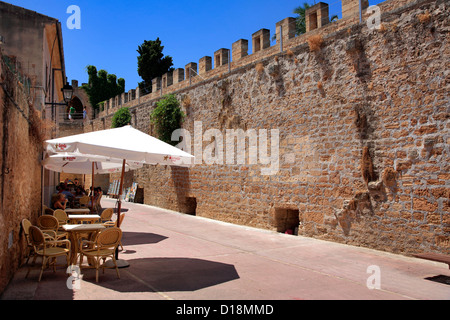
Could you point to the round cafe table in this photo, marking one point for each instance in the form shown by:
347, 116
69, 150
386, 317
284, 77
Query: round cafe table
75, 231
78, 211
80, 218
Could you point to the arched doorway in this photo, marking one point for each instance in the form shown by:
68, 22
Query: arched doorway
78, 105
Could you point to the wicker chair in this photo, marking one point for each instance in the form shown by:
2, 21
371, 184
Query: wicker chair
26, 224
47, 210
49, 250
84, 201
106, 215
104, 246
50, 223
114, 225
62, 217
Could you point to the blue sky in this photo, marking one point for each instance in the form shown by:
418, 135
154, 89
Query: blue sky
111, 31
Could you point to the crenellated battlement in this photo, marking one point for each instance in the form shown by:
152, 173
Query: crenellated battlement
225, 60
358, 120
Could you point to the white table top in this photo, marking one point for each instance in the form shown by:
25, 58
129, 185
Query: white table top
83, 227
84, 216
77, 211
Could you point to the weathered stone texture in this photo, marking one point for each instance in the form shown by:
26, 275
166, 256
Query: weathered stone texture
20, 188
378, 93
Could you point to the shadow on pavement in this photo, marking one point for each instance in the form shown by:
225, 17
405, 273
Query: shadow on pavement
53, 285
136, 238
171, 274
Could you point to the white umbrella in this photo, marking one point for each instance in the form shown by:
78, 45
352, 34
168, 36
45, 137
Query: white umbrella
124, 143
86, 164
82, 164
121, 143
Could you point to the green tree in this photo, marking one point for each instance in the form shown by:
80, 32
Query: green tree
102, 86
167, 117
152, 63
121, 118
300, 23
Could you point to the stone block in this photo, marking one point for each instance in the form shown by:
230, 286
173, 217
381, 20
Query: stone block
261, 40
316, 16
221, 57
287, 27
156, 84
204, 64
190, 70
138, 93
131, 94
239, 49
167, 79
350, 8
178, 75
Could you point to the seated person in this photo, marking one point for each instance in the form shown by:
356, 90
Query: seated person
60, 202
69, 196
79, 192
99, 197
65, 191
95, 197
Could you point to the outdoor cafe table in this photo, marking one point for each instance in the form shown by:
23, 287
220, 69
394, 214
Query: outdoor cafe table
75, 231
90, 218
77, 211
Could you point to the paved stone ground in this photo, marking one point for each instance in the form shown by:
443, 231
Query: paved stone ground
173, 256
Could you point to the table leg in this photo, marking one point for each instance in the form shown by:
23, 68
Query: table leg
75, 249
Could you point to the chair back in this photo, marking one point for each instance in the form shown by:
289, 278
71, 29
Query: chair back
36, 236
106, 215
61, 215
26, 224
49, 211
84, 200
109, 238
47, 222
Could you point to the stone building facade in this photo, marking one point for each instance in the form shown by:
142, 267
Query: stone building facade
360, 116
20, 187
31, 68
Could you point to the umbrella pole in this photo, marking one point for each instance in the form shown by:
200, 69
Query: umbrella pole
119, 205
120, 263
92, 187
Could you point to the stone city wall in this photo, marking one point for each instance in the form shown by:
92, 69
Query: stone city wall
363, 133
20, 176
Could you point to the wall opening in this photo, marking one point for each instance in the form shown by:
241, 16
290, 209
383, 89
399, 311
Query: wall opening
313, 21
78, 105
286, 220
257, 44
217, 60
191, 206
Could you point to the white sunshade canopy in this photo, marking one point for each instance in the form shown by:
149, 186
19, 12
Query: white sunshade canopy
121, 143
82, 164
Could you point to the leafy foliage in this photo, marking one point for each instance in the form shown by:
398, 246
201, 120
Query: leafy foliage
121, 118
152, 63
301, 18
167, 117
102, 86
